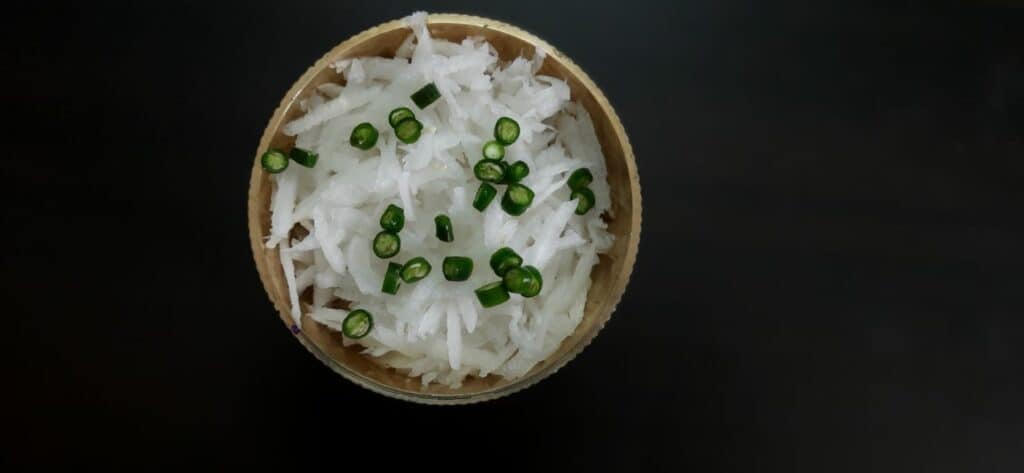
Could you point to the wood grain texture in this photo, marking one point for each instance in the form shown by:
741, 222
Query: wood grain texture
609, 277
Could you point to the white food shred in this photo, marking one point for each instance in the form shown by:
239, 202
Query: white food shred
454, 334
289, 275
350, 98
281, 207
436, 329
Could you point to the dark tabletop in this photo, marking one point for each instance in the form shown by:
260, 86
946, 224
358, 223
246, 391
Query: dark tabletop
831, 273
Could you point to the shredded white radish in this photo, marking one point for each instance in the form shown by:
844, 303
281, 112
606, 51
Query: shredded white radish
330, 109
289, 274
436, 329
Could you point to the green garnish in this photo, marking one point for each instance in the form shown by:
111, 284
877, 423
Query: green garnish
517, 171
484, 195
443, 228
386, 244
517, 199
492, 294
391, 279
517, 280
505, 259
274, 161
506, 131
536, 282
585, 202
580, 178
393, 218
425, 96
457, 268
408, 130
364, 136
489, 170
494, 150
304, 157
357, 324
416, 269
397, 115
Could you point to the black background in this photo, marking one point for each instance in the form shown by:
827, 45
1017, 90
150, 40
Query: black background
831, 273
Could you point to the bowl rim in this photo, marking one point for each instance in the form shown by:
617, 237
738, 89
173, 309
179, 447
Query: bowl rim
554, 365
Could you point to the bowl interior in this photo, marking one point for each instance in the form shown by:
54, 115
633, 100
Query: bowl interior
609, 277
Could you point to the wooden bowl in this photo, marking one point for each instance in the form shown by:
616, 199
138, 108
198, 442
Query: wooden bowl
609, 276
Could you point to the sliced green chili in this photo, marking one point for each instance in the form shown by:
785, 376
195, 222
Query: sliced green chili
518, 280
489, 170
364, 136
391, 279
536, 282
505, 259
408, 130
393, 218
457, 268
517, 199
274, 161
585, 202
492, 294
416, 269
580, 178
357, 324
443, 228
494, 150
506, 131
397, 115
517, 171
425, 96
304, 157
386, 244
484, 195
